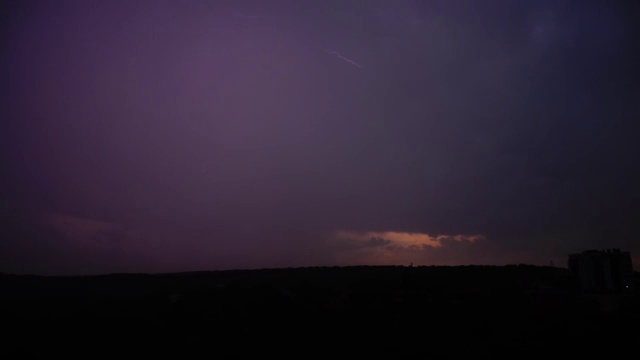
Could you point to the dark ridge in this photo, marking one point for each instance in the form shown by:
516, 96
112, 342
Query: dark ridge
450, 311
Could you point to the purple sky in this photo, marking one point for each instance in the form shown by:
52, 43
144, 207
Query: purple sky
155, 136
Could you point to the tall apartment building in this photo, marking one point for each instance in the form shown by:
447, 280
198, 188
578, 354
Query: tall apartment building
602, 271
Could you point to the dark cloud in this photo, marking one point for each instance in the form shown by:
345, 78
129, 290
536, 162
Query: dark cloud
378, 241
231, 134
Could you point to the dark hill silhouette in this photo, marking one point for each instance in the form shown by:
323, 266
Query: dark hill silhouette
480, 311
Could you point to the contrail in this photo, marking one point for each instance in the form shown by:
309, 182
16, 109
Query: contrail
343, 58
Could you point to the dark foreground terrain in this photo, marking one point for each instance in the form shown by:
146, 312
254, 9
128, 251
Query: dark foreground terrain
339, 312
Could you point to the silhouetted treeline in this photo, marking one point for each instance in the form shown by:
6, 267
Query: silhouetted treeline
479, 311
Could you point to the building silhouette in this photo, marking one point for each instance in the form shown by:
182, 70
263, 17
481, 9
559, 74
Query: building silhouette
602, 271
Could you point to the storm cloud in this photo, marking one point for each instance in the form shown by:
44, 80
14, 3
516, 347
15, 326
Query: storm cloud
214, 135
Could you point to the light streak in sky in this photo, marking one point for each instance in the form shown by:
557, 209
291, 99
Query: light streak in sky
332, 52
339, 56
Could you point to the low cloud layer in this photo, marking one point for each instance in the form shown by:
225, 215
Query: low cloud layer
83, 231
402, 239
393, 247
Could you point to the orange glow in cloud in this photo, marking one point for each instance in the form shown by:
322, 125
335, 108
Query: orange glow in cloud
404, 239
393, 247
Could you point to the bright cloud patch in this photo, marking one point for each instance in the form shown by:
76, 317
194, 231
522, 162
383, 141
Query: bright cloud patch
402, 239
392, 247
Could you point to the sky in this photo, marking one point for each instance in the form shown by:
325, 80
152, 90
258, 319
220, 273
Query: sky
165, 136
